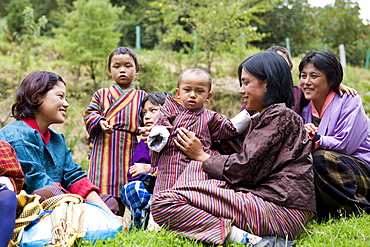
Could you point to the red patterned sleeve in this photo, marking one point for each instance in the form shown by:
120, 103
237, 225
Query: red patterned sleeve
10, 167
83, 187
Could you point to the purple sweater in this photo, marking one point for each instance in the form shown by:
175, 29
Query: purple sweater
344, 127
141, 155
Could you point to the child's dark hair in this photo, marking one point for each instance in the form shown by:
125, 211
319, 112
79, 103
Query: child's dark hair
32, 86
156, 98
124, 50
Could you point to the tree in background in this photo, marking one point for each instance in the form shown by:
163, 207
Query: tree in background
310, 28
88, 35
53, 10
15, 17
135, 15
219, 24
25, 41
341, 24
288, 19
3, 10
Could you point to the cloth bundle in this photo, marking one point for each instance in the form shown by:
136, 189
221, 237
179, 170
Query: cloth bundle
60, 220
68, 219
28, 209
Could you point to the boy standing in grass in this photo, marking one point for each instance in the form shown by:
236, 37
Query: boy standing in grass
112, 120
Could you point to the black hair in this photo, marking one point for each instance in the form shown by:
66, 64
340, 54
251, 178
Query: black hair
282, 50
155, 99
124, 50
327, 62
32, 86
271, 67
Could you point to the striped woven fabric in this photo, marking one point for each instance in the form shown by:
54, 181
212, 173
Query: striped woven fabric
205, 210
112, 154
207, 125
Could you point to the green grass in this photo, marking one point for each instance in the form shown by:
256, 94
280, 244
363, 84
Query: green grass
145, 239
347, 231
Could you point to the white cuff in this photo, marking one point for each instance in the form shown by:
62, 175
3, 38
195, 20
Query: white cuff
6, 183
158, 138
241, 121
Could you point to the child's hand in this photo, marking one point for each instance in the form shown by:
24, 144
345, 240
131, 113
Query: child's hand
311, 129
144, 132
139, 168
106, 128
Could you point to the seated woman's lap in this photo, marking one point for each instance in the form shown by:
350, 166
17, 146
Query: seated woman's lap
213, 200
341, 181
192, 172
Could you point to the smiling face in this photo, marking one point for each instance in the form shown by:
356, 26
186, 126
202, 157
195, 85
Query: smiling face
150, 113
194, 90
315, 85
53, 108
252, 90
123, 70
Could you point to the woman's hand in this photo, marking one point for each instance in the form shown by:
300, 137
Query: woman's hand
311, 129
348, 90
139, 168
190, 145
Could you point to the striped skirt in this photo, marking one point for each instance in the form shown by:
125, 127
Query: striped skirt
341, 181
206, 210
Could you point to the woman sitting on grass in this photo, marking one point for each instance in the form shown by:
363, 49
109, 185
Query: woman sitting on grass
262, 182
341, 133
45, 159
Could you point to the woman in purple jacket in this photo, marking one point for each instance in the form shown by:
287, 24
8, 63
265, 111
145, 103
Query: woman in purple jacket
340, 131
